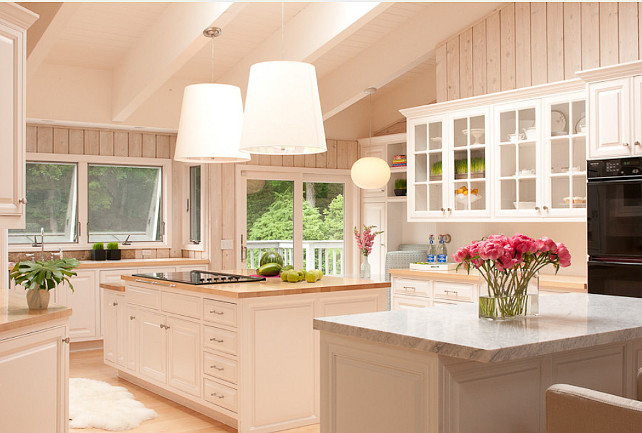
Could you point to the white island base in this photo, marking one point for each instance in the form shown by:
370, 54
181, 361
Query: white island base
401, 372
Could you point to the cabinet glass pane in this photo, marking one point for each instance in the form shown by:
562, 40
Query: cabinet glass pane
579, 191
527, 159
435, 136
420, 138
421, 167
469, 163
526, 194
579, 117
460, 132
526, 124
560, 193
421, 196
560, 155
507, 127
508, 193
434, 160
436, 196
579, 153
508, 159
559, 117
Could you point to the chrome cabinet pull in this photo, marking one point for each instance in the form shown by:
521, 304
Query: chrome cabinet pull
451, 291
217, 312
214, 339
217, 395
409, 288
217, 368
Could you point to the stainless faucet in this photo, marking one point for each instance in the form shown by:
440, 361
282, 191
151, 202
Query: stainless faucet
40, 244
126, 241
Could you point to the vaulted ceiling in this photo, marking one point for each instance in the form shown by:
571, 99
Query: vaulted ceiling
127, 63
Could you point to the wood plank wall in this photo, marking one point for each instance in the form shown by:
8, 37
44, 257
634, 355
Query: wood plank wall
341, 154
525, 44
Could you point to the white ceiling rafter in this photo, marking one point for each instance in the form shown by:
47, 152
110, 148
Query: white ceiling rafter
396, 53
173, 40
50, 36
316, 29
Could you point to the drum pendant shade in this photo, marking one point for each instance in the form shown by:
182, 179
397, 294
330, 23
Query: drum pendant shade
210, 124
283, 110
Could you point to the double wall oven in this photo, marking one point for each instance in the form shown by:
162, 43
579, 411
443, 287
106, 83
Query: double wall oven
614, 225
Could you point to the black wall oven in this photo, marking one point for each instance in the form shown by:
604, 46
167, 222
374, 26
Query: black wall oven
614, 224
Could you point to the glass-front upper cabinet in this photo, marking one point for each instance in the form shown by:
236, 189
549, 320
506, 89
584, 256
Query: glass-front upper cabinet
425, 159
565, 162
468, 154
517, 162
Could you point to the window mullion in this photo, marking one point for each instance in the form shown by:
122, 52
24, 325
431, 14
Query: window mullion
297, 219
83, 204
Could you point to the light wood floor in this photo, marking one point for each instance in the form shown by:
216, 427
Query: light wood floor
172, 417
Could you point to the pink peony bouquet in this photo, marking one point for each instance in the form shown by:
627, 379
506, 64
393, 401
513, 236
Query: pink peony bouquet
365, 239
508, 264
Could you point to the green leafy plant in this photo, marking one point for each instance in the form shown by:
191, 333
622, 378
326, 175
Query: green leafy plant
44, 275
400, 183
98, 246
477, 165
435, 169
461, 166
112, 246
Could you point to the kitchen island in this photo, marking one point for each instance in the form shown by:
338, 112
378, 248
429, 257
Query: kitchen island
444, 370
34, 367
245, 354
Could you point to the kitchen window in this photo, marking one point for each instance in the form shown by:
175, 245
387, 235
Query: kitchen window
194, 204
52, 199
124, 201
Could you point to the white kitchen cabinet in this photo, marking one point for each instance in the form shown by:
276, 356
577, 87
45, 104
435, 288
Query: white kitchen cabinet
85, 304
497, 156
14, 22
251, 363
404, 302
610, 118
114, 327
34, 374
407, 293
184, 355
373, 213
152, 342
374, 151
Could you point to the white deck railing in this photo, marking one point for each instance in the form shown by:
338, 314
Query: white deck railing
324, 255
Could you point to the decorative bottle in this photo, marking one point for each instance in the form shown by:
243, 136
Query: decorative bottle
442, 254
431, 250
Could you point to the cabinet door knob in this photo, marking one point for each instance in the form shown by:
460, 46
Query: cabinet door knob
132, 317
65, 340
22, 201
115, 304
625, 144
545, 208
637, 143
537, 208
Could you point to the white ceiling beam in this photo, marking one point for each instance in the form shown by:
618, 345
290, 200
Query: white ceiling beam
318, 28
173, 40
410, 44
50, 35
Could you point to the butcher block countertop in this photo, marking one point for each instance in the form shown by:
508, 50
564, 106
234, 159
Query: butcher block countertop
547, 282
270, 287
17, 315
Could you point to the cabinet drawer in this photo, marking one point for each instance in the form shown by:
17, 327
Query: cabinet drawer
219, 339
184, 305
220, 312
220, 395
218, 366
400, 302
142, 296
409, 286
454, 291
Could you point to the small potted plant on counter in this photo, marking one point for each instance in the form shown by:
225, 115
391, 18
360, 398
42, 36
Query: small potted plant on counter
400, 187
42, 276
98, 251
113, 252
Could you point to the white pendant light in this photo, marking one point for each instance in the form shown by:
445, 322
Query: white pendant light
282, 109
211, 121
370, 172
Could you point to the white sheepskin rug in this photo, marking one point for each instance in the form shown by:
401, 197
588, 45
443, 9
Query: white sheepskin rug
96, 404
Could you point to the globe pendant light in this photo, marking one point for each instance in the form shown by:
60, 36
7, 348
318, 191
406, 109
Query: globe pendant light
282, 109
211, 120
370, 172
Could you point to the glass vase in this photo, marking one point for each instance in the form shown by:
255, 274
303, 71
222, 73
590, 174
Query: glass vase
365, 268
514, 298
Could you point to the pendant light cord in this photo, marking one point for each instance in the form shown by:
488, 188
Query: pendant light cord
212, 60
282, 30
370, 104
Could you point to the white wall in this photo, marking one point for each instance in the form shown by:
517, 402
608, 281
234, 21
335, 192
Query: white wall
573, 234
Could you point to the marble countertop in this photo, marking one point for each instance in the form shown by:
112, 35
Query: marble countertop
566, 321
270, 287
546, 281
17, 315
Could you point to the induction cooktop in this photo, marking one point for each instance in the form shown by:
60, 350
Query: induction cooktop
201, 277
